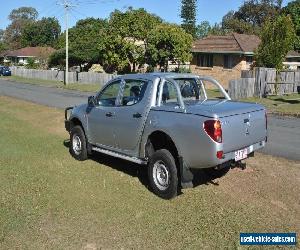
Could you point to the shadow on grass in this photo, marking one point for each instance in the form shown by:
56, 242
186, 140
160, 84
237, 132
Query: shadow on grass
290, 101
67, 143
140, 172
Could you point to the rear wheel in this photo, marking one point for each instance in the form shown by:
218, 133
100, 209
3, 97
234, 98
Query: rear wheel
162, 174
78, 145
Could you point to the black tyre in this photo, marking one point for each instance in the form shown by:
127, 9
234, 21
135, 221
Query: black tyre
78, 145
162, 174
215, 172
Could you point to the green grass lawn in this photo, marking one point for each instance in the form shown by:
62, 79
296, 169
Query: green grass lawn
287, 104
284, 105
48, 200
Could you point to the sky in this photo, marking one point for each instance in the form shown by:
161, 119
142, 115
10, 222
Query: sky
168, 10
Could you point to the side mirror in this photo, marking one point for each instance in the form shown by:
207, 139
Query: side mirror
91, 101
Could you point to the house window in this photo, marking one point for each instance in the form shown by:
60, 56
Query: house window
228, 62
249, 60
205, 60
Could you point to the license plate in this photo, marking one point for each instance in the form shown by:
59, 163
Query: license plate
240, 154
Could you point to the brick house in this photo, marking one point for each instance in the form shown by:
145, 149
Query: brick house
223, 57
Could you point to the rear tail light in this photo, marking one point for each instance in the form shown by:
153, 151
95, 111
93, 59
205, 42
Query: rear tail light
214, 129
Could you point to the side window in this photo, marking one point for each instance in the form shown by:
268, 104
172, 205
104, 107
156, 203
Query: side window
108, 96
188, 88
169, 94
133, 92
212, 91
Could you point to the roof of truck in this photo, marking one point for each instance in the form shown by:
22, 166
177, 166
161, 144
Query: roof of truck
154, 75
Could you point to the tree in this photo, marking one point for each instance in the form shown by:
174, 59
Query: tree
23, 13
277, 39
43, 32
293, 9
278, 3
250, 16
2, 44
232, 24
129, 31
168, 42
116, 53
188, 15
19, 19
203, 29
118, 44
31, 63
256, 12
217, 30
86, 41
58, 59
132, 23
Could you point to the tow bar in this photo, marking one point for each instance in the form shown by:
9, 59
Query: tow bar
239, 164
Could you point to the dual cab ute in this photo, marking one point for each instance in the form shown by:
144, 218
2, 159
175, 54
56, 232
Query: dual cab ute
167, 122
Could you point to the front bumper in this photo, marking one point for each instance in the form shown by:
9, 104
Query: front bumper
67, 116
68, 125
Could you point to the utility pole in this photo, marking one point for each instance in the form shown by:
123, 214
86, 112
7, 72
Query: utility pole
66, 6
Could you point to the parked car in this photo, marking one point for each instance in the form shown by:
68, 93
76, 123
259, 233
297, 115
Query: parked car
5, 71
166, 122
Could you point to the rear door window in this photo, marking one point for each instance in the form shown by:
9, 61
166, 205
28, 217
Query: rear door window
169, 94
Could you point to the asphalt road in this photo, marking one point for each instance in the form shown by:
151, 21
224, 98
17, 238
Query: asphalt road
284, 133
49, 96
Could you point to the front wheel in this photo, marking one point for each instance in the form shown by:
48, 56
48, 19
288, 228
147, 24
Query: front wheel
162, 174
78, 146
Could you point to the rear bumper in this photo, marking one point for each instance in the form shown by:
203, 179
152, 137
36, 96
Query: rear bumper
213, 161
250, 149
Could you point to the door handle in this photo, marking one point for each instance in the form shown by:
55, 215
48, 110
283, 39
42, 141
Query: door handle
109, 114
137, 115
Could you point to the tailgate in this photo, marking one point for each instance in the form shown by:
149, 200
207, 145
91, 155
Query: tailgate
242, 130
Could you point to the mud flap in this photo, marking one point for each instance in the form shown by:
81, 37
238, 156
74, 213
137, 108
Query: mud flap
186, 176
89, 148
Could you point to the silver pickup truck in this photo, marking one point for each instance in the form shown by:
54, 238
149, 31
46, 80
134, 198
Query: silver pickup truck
167, 122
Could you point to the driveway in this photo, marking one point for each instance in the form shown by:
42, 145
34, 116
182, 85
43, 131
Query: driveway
284, 133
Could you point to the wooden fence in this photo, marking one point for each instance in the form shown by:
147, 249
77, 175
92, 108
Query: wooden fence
54, 75
241, 88
264, 82
287, 82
